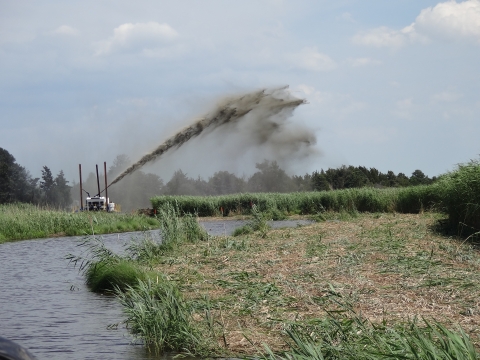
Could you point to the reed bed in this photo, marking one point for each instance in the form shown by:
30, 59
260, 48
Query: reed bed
405, 200
456, 194
25, 221
460, 194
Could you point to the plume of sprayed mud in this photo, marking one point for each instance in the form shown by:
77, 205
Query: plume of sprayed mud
259, 115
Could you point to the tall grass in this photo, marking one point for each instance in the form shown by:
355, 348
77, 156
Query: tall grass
158, 316
407, 200
457, 194
258, 223
176, 230
460, 194
25, 221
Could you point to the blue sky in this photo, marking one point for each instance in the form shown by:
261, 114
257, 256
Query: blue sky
390, 84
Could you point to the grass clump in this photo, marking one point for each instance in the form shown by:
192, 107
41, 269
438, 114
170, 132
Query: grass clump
106, 276
158, 315
176, 230
257, 223
105, 270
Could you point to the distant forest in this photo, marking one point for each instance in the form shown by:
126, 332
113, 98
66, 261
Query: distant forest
135, 190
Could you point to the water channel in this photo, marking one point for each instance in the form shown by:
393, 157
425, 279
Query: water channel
46, 307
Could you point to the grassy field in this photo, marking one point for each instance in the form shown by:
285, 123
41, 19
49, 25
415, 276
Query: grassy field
350, 287
390, 268
24, 221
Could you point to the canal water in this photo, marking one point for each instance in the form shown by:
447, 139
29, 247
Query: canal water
46, 307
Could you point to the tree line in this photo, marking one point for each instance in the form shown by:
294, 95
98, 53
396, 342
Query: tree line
135, 190
271, 178
18, 185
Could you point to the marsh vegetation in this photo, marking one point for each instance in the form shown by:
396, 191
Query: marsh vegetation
26, 221
376, 277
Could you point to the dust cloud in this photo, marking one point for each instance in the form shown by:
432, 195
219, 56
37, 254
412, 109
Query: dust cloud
257, 120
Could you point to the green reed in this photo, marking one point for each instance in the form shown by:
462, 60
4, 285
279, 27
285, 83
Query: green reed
25, 221
406, 200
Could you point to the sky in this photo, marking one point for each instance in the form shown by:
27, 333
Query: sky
392, 85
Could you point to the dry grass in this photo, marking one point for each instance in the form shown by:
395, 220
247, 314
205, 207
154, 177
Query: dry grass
392, 267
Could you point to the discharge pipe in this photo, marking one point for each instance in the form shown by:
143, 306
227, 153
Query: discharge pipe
81, 193
98, 182
106, 187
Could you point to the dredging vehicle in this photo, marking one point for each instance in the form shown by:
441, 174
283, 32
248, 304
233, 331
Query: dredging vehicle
97, 202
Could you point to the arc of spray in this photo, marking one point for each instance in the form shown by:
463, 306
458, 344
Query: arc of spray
227, 113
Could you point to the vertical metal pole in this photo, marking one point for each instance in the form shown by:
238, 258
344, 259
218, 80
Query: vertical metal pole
98, 181
81, 190
106, 187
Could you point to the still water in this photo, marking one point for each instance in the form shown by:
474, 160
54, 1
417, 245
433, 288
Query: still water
46, 307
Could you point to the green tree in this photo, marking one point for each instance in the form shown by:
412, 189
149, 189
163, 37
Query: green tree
355, 178
270, 178
180, 184
319, 181
7, 165
391, 179
120, 164
16, 183
302, 183
48, 186
63, 194
419, 178
403, 180
224, 182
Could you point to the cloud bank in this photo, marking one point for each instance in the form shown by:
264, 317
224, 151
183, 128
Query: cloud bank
447, 21
137, 38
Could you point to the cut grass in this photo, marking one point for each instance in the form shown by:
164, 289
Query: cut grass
391, 267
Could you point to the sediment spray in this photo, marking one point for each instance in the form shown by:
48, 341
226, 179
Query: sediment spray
259, 115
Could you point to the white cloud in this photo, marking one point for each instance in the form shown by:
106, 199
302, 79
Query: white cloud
310, 59
360, 62
386, 37
137, 38
346, 16
446, 96
449, 20
403, 108
66, 30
